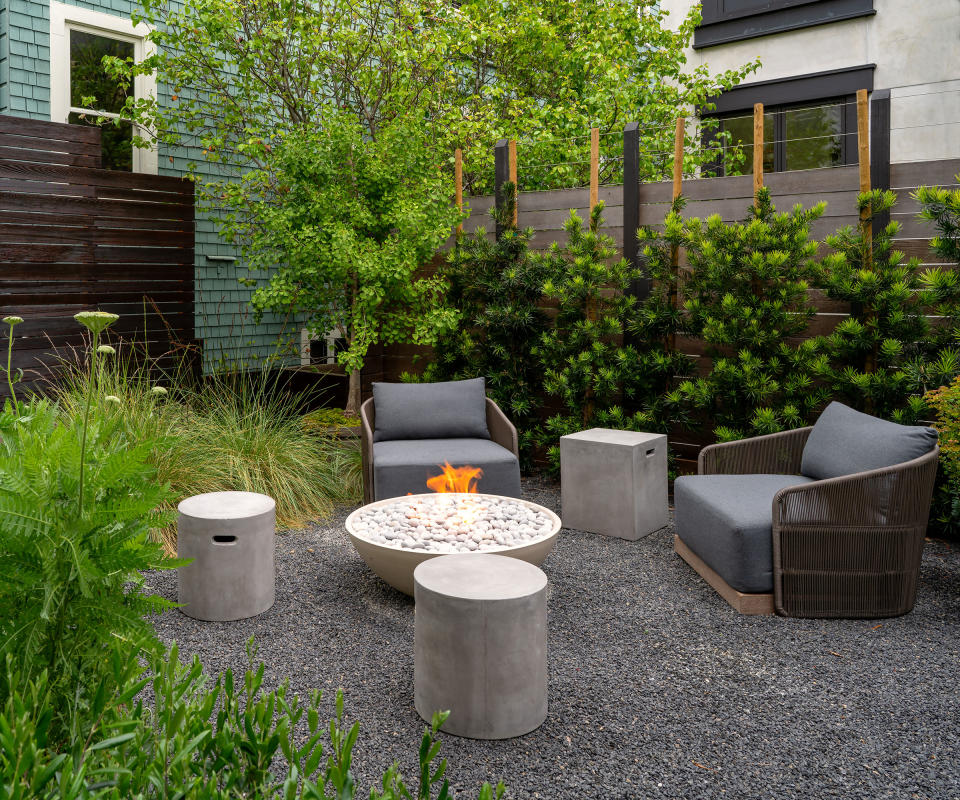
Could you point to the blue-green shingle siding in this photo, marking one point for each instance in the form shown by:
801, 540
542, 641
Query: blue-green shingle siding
222, 317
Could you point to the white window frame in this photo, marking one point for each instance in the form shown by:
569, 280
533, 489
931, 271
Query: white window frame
63, 19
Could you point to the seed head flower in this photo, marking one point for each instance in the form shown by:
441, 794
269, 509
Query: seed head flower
11, 321
96, 321
107, 350
112, 398
159, 390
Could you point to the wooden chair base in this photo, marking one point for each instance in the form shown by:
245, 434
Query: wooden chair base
756, 604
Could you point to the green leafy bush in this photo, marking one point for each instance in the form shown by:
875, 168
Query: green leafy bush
945, 403
585, 363
189, 737
870, 361
496, 287
745, 295
78, 499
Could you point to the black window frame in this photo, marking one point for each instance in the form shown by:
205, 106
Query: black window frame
799, 91
848, 130
722, 24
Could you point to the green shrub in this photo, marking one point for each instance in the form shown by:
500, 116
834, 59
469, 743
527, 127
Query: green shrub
745, 295
496, 287
78, 499
872, 359
187, 737
945, 404
584, 361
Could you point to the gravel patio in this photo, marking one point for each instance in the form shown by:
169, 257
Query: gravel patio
657, 688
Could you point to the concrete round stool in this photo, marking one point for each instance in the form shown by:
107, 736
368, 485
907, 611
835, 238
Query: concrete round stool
480, 644
230, 537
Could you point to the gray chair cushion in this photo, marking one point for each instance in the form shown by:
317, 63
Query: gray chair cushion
403, 467
727, 520
844, 441
446, 410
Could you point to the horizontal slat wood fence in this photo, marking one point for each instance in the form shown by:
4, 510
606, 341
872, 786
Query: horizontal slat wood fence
75, 237
547, 211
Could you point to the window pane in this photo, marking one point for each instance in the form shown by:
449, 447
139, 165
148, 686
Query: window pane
87, 76
738, 155
813, 137
116, 142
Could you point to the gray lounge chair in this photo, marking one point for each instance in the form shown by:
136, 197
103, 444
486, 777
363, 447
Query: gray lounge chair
824, 521
408, 430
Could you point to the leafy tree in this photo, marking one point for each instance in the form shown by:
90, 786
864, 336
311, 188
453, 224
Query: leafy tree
870, 359
586, 365
496, 287
351, 221
745, 295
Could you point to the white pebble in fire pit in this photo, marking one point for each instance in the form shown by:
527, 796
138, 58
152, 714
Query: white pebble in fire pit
452, 523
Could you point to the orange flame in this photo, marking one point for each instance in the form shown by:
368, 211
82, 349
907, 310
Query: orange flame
456, 479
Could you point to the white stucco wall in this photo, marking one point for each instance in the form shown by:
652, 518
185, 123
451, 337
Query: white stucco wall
914, 43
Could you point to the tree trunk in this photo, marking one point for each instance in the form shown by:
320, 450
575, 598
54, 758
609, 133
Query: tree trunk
353, 394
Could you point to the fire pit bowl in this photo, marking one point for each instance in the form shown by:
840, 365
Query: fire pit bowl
424, 526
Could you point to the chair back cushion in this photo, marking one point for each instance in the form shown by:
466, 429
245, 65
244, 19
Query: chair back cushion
448, 410
845, 441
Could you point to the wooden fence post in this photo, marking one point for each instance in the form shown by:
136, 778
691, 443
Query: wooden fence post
458, 183
679, 138
501, 174
594, 167
880, 149
863, 153
639, 288
757, 148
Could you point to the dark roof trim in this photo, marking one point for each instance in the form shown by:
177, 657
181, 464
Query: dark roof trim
720, 28
796, 89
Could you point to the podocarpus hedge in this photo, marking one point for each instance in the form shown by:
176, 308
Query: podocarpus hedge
744, 292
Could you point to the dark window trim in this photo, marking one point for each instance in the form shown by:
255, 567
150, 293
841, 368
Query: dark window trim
720, 26
796, 89
848, 131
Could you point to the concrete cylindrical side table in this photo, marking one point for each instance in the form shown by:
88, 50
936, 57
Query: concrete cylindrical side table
480, 644
230, 537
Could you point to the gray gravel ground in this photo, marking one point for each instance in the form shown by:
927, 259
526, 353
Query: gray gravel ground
657, 688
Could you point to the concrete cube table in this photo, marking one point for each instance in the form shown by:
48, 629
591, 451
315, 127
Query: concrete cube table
480, 644
230, 537
614, 482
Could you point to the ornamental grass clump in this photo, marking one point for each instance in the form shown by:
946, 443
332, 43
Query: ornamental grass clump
227, 432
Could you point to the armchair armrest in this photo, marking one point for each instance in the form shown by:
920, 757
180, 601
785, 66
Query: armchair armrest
897, 496
367, 421
502, 430
851, 546
773, 454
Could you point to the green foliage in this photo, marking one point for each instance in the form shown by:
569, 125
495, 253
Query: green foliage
78, 498
230, 431
349, 221
945, 404
496, 288
479, 70
745, 296
584, 361
186, 737
870, 361
941, 287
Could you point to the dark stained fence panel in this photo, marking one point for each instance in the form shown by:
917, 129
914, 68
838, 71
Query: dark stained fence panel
74, 237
